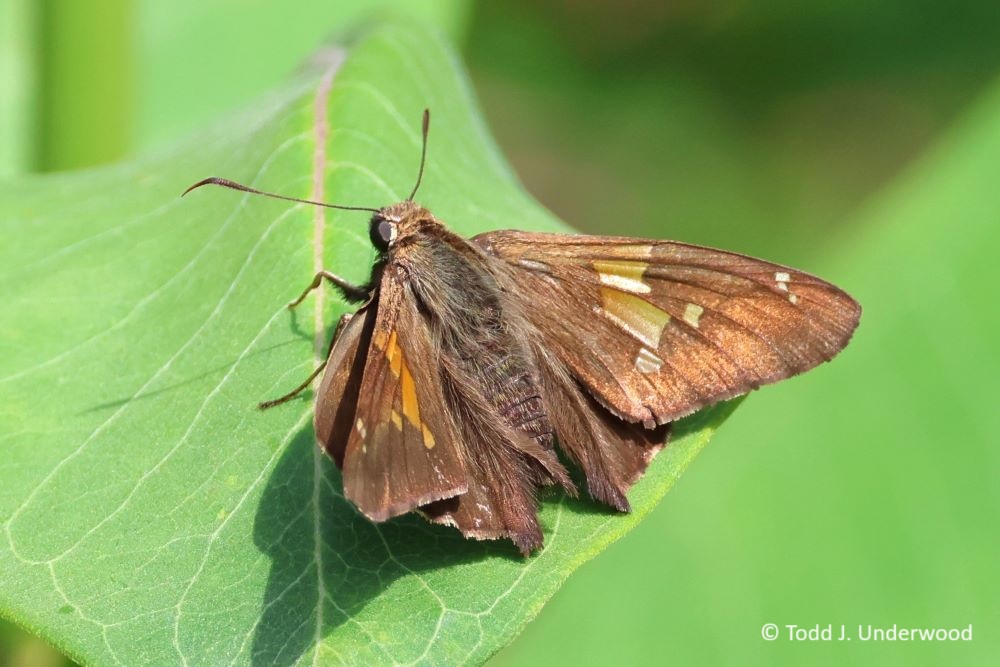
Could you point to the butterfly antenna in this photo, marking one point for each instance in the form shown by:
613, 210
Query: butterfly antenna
423, 153
233, 185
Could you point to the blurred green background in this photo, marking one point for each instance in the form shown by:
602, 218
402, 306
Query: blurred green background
857, 140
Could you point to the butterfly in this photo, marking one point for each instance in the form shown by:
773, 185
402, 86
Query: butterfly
469, 362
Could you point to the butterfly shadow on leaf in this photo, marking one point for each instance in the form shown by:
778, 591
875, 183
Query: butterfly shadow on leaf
328, 562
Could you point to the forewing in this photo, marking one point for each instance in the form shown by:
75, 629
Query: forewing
658, 329
402, 451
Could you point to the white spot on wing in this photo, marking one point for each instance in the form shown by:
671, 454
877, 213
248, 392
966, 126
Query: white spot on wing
362, 431
624, 284
692, 314
647, 361
622, 275
793, 298
782, 279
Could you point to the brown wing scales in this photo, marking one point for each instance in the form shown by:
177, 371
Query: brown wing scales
464, 380
657, 329
612, 453
403, 450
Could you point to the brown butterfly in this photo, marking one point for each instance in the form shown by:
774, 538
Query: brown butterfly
470, 359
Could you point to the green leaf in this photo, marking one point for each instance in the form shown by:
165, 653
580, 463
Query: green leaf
149, 512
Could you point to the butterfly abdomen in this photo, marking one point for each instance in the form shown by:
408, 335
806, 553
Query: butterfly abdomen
465, 305
515, 394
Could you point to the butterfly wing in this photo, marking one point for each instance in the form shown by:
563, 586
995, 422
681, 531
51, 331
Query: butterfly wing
657, 329
402, 451
337, 397
612, 453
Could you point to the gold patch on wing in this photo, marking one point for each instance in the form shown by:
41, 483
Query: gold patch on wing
647, 362
394, 354
636, 316
410, 404
623, 275
380, 339
692, 314
411, 409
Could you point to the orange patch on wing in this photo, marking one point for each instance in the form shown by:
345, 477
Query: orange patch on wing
394, 354
411, 410
410, 404
428, 436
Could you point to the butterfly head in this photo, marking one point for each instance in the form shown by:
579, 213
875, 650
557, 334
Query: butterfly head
391, 223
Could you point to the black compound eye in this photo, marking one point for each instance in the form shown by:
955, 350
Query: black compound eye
383, 232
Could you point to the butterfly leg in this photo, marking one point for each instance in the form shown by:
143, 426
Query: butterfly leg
344, 319
350, 292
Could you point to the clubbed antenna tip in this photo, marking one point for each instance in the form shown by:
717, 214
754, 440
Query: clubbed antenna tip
423, 153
